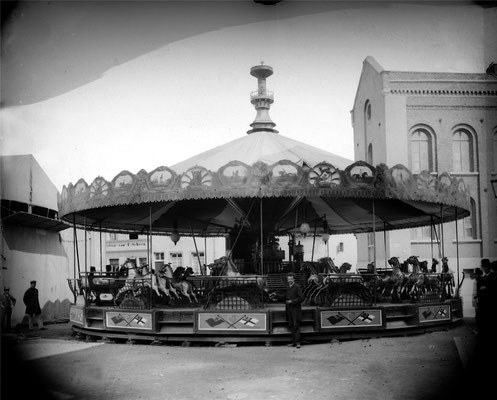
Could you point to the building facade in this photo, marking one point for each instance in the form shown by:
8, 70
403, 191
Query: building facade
440, 122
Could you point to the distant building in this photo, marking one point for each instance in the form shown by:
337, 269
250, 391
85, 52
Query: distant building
31, 247
440, 122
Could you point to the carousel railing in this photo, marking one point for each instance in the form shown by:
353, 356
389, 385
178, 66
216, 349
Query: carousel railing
110, 289
257, 291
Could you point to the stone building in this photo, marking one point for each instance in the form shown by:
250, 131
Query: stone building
440, 122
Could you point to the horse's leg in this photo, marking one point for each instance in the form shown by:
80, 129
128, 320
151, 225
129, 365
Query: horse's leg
192, 293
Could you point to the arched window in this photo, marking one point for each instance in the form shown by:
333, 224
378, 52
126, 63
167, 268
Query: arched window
467, 226
462, 151
421, 151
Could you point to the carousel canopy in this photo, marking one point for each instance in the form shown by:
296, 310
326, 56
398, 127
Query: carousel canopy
264, 181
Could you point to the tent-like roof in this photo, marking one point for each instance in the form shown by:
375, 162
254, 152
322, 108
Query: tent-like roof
198, 200
264, 182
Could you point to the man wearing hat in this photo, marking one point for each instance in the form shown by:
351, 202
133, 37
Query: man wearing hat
294, 298
7, 301
33, 309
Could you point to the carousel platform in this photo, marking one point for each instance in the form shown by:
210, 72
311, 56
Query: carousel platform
265, 325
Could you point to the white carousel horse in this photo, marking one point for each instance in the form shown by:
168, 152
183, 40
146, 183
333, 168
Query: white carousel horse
168, 282
139, 277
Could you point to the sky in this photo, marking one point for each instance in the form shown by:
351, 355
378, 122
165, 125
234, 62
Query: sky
95, 88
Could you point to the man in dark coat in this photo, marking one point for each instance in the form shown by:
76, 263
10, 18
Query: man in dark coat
33, 309
7, 301
294, 298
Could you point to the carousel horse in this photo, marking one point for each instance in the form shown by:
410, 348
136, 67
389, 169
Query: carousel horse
320, 289
315, 282
417, 281
447, 279
230, 279
139, 278
327, 266
396, 280
434, 263
176, 284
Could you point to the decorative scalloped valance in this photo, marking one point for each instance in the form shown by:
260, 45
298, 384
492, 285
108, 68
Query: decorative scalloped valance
283, 179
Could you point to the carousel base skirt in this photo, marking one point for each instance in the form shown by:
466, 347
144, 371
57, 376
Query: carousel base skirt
266, 325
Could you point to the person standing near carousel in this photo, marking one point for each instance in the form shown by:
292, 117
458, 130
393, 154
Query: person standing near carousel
33, 309
294, 298
7, 301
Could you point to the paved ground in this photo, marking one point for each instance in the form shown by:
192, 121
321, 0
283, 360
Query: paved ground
53, 364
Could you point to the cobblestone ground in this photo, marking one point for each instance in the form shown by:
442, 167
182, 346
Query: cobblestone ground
52, 364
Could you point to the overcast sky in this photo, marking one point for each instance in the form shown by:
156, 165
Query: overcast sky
91, 89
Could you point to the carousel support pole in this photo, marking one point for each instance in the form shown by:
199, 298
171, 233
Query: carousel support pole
149, 252
86, 250
100, 247
202, 271
385, 242
262, 238
74, 258
314, 240
457, 256
196, 248
431, 235
442, 229
374, 239
76, 250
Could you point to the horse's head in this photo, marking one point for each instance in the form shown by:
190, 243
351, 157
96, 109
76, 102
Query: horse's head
423, 266
445, 264
345, 267
178, 272
166, 270
394, 261
413, 260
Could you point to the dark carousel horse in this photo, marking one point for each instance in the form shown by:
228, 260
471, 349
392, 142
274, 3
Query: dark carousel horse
447, 279
230, 282
172, 283
394, 283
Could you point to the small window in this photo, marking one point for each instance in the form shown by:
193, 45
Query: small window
340, 247
176, 259
467, 226
195, 261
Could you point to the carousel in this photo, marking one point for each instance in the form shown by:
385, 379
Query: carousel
253, 191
